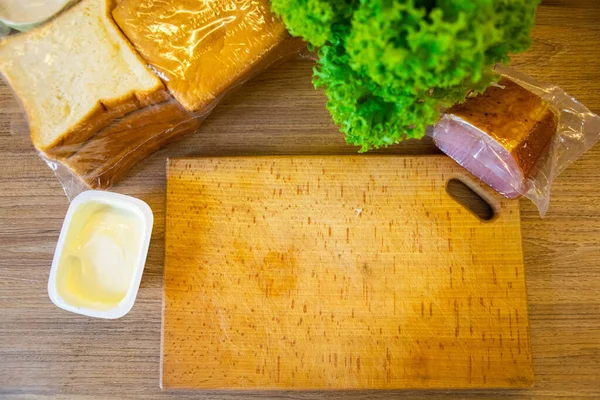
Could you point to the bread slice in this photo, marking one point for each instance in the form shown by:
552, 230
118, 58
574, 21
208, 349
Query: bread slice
114, 150
202, 48
75, 75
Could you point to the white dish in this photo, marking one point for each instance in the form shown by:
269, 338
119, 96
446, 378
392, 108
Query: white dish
100, 254
23, 15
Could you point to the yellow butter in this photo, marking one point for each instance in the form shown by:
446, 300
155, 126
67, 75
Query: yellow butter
99, 256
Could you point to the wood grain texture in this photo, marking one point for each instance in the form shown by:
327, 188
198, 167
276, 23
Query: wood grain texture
339, 273
46, 353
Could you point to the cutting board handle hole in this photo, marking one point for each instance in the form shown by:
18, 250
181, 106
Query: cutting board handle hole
466, 196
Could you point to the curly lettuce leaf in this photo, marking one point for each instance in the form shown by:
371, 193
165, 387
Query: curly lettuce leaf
389, 67
312, 19
357, 105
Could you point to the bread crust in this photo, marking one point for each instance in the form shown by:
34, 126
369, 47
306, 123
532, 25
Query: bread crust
114, 150
205, 39
100, 114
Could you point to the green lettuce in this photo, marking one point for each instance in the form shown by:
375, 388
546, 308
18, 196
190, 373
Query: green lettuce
389, 67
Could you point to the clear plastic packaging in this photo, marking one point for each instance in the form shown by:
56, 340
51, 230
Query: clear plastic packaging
516, 144
106, 84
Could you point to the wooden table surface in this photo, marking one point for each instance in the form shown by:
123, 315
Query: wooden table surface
49, 353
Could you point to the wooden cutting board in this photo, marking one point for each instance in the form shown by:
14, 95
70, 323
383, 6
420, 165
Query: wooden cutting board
350, 272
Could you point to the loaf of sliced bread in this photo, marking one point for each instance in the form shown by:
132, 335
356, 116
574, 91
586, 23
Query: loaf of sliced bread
75, 75
202, 48
106, 157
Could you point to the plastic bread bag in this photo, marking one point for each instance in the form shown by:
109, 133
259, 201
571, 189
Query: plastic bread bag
106, 84
518, 135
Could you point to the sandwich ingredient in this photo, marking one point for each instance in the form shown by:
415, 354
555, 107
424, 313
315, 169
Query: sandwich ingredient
99, 256
202, 48
75, 75
389, 66
499, 135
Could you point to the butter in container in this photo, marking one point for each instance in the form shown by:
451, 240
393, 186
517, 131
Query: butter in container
100, 255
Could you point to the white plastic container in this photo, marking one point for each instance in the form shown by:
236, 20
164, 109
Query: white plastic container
100, 255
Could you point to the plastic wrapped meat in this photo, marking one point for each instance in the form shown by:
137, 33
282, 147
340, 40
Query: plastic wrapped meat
498, 135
